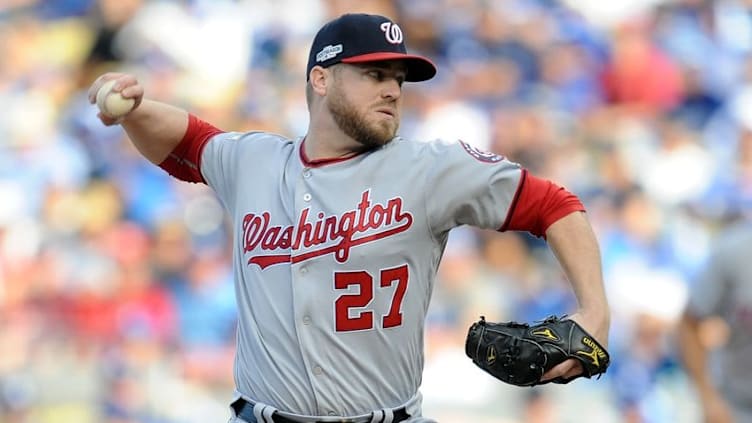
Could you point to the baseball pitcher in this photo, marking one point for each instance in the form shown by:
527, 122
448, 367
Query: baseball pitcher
337, 237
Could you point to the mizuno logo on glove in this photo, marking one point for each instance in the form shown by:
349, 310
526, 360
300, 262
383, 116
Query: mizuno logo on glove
546, 333
595, 353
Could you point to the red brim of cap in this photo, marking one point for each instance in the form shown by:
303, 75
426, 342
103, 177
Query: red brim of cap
418, 68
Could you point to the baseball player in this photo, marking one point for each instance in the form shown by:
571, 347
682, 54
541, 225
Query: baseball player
338, 234
723, 291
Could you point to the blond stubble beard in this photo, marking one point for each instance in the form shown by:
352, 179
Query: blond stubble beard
354, 124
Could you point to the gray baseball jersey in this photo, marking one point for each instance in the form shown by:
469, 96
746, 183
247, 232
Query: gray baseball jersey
725, 290
335, 261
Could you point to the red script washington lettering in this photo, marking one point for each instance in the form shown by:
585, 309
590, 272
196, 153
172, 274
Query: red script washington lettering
374, 221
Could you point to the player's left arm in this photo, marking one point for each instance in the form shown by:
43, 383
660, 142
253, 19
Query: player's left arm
550, 211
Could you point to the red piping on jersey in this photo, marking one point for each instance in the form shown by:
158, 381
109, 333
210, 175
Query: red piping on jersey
537, 204
184, 161
516, 198
322, 162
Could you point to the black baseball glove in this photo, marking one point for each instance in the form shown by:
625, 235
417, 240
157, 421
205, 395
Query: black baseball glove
519, 353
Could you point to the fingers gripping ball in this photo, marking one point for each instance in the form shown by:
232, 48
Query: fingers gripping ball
519, 353
112, 103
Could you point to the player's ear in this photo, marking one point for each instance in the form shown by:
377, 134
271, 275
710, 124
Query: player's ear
318, 79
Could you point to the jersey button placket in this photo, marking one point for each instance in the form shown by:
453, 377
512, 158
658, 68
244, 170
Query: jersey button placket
303, 200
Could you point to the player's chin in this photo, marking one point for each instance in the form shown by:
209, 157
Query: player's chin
386, 137
386, 129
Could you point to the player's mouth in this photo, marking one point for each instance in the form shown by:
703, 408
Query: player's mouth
387, 111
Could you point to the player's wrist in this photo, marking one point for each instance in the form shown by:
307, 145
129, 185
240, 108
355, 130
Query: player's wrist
596, 320
599, 314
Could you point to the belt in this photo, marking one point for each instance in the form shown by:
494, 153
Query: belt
244, 410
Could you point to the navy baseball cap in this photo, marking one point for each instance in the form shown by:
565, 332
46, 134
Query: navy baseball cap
362, 38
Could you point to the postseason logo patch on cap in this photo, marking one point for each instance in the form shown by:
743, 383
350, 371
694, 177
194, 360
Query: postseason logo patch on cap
328, 52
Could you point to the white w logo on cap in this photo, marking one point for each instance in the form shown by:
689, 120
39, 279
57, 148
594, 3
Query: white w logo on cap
393, 32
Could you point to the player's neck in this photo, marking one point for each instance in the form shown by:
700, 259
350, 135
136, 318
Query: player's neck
325, 140
318, 151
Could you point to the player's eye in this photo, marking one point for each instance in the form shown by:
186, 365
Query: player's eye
380, 76
376, 74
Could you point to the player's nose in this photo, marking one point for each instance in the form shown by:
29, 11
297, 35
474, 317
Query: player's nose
391, 89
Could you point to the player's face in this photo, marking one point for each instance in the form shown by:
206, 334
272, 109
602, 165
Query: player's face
365, 101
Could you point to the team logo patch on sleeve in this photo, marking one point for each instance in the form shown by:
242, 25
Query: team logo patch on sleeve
483, 156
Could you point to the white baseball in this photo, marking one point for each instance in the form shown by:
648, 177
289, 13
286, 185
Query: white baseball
111, 103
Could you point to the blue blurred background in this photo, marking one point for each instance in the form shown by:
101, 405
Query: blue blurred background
116, 296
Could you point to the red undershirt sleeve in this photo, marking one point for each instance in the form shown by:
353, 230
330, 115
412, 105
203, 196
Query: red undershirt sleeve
538, 204
184, 162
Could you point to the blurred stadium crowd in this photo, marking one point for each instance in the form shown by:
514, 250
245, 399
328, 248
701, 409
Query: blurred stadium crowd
116, 294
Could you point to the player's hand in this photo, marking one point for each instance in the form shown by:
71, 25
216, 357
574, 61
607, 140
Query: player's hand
597, 327
126, 84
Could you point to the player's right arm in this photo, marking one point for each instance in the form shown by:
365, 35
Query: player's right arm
155, 128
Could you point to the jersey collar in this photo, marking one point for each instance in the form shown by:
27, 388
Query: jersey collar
322, 162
